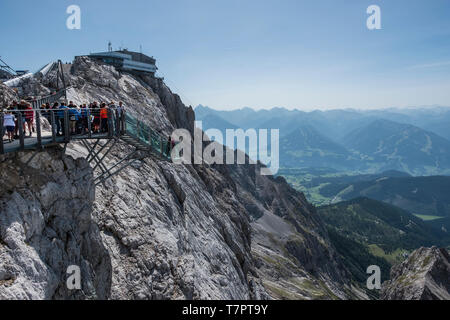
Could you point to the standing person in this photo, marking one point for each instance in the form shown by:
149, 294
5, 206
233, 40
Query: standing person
90, 116
73, 118
120, 108
112, 107
21, 107
71, 105
84, 118
80, 128
104, 118
61, 118
29, 119
54, 113
46, 111
120, 113
96, 112
14, 106
9, 124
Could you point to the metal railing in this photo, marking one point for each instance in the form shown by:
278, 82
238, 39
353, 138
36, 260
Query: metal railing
60, 126
145, 134
52, 98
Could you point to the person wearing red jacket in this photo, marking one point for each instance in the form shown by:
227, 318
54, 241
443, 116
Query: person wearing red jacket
29, 118
104, 117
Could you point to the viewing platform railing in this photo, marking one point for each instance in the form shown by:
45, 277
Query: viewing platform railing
61, 126
144, 133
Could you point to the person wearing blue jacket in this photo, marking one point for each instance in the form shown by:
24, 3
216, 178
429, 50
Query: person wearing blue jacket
74, 116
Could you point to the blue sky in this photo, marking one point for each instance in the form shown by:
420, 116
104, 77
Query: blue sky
260, 54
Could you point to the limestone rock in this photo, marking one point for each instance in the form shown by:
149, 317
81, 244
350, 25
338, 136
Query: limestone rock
7, 95
157, 230
46, 226
425, 275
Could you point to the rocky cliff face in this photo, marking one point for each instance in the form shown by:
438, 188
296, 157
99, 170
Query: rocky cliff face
425, 275
292, 251
166, 231
46, 225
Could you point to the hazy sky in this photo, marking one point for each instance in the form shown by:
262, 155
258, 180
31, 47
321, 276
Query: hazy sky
255, 53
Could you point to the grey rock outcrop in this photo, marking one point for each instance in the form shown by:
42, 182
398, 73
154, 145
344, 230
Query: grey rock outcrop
183, 231
179, 115
7, 95
293, 254
425, 275
46, 225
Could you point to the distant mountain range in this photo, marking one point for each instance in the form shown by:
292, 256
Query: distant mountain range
428, 196
410, 140
390, 145
216, 122
307, 147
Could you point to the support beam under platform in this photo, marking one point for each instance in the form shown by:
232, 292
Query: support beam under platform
97, 154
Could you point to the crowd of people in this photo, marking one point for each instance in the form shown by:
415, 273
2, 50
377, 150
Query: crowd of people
79, 117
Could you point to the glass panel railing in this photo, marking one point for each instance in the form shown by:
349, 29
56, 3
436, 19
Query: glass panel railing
147, 135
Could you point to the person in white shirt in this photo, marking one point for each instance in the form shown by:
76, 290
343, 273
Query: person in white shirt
9, 124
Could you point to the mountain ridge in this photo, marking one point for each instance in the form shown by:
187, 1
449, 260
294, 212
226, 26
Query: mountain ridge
166, 231
407, 147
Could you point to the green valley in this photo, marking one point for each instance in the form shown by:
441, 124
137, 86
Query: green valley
366, 231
